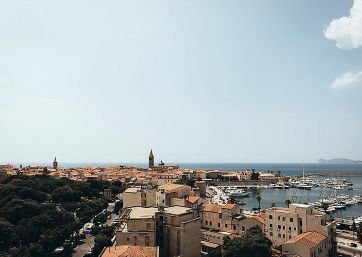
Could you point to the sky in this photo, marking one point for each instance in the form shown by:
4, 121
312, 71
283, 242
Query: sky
196, 81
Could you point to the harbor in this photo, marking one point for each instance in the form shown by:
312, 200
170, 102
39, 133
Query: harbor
338, 197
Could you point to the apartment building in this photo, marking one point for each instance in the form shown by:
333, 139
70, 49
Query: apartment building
169, 228
139, 196
179, 232
283, 224
221, 217
309, 244
166, 192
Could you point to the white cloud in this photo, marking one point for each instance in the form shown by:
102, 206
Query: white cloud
348, 79
347, 31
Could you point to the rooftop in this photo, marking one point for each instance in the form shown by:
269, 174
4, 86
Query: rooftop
308, 239
132, 190
170, 187
209, 244
142, 212
149, 212
177, 210
130, 251
192, 199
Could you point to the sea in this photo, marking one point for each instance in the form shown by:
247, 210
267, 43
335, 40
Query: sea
277, 196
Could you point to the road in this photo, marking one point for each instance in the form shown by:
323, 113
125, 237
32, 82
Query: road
343, 246
82, 249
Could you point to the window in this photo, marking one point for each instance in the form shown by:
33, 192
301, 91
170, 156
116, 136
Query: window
300, 231
242, 228
148, 225
271, 233
290, 236
127, 238
270, 225
206, 222
220, 216
278, 217
283, 218
300, 223
210, 223
291, 219
234, 227
279, 227
147, 240
283, 236
270, 217
226, 225
290, 228
283, 227
218, 224
279, 235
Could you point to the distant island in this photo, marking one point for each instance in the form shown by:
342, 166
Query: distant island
339, 161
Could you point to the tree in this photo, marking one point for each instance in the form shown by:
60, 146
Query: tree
325, 206
255, 175
65, 194
6, 230
253, 244
273, 205
288, 202
258, 198
118, 206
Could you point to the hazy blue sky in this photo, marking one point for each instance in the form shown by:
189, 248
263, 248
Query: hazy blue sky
196, 81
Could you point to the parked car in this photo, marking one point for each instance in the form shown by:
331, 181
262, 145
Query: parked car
353, 244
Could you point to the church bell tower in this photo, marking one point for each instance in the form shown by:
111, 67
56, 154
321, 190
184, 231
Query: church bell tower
151, 160
55, 163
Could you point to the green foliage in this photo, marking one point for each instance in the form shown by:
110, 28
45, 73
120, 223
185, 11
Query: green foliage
37, 213
253, 244
118, 206
255, 175
65, 194
102, 239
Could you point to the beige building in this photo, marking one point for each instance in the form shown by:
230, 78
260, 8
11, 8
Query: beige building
169, 228
138, 196
283, 224
221, 217
267, 177
138, 227
166, 192
166, 178
309, 244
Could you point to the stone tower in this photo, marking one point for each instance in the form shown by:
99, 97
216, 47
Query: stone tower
55, 163
151, 160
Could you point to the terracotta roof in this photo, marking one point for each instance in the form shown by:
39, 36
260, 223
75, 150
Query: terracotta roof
259, 219
212, 208
192, 199
308, 239
131, 251
228, 206
170, 187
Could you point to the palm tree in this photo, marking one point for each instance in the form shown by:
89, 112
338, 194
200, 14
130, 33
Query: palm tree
288, 202
353, 229
258, 198
325, 206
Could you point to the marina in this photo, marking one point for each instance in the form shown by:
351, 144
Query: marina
338, 197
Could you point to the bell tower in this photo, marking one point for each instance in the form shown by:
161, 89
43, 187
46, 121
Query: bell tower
55, 163
151, 160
